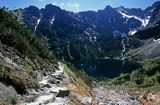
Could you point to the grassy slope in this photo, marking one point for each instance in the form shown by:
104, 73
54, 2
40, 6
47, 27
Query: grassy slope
28, 52
146, 78
80, 84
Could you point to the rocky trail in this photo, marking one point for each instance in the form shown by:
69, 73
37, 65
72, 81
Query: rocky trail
52, 91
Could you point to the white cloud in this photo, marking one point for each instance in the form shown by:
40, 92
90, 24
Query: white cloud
74, 5
54, 3
62, 4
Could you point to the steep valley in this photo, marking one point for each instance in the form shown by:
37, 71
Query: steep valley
50, 56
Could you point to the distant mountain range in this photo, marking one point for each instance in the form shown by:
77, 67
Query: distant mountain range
90, 34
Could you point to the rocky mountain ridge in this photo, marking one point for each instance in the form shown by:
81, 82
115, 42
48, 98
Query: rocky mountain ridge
100, 30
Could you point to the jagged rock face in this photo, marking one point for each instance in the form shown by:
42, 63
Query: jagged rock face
150, 33
87, 34
31, 16
155, 14
121, 19
149, 49
7, 93
107, 22
153, 27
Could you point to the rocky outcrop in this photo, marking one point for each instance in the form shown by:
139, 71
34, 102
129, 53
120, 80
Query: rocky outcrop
149, 98
87, 100
14, 71
8, 94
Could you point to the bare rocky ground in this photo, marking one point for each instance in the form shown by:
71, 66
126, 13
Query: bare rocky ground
105, 95
151, 50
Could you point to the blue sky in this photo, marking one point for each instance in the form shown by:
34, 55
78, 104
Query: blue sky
78, 5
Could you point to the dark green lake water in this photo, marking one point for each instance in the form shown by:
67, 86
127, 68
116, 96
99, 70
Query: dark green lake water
107, 68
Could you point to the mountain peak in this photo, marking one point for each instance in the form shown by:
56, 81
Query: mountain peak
108, 7
120, 7
33, 10
156, 4
50, 11
51, 6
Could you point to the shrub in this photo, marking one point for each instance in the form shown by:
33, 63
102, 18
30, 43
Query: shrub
14, 100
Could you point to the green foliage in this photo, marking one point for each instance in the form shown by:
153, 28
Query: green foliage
31, 99
79, 74
18, 36
18, 79
121, 79
146, 77
14, 100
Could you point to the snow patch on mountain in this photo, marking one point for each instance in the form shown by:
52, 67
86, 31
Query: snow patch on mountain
156, 40
144, 21
132, 32
91, 36
53, 19
38, 21
86, 33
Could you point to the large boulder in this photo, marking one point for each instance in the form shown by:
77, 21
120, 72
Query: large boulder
63, 93
8, 94
20, 80
149, 97
86, 101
